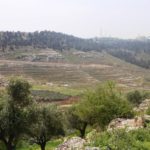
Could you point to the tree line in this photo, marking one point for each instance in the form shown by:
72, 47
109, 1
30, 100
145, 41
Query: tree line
45, 39
131, 57
60, 41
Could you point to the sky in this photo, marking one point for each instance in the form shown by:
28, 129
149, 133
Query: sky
82, 18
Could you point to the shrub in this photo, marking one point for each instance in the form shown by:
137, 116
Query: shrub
136, 97
121, 140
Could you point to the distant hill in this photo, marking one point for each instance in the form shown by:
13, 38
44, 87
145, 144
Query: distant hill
45, 39
135, 51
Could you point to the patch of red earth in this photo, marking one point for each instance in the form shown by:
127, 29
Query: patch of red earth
68, 101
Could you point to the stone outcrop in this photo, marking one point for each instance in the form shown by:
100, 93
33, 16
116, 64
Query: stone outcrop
143, 106
129, 124
75, 143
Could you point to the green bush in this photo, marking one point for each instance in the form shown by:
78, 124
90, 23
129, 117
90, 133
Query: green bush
136, 97
122, 140
104, 104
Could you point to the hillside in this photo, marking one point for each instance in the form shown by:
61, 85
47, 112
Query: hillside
135, 51
71, 68
51, 60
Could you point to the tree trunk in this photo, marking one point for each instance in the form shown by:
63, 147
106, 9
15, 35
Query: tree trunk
82, 131
9, 146
43, 146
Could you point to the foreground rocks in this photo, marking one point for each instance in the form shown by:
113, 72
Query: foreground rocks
143, 106
75, 143
129, 124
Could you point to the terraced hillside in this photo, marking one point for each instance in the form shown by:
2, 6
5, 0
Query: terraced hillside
75, 69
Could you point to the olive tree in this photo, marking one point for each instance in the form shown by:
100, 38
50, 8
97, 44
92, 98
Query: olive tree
105, 104
75, 121
15, 113
48, 125
100, 106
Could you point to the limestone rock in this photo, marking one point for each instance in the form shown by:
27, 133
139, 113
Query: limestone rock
129, 124
143, 106
75, 143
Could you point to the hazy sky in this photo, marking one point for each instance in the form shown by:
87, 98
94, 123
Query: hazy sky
83, 18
